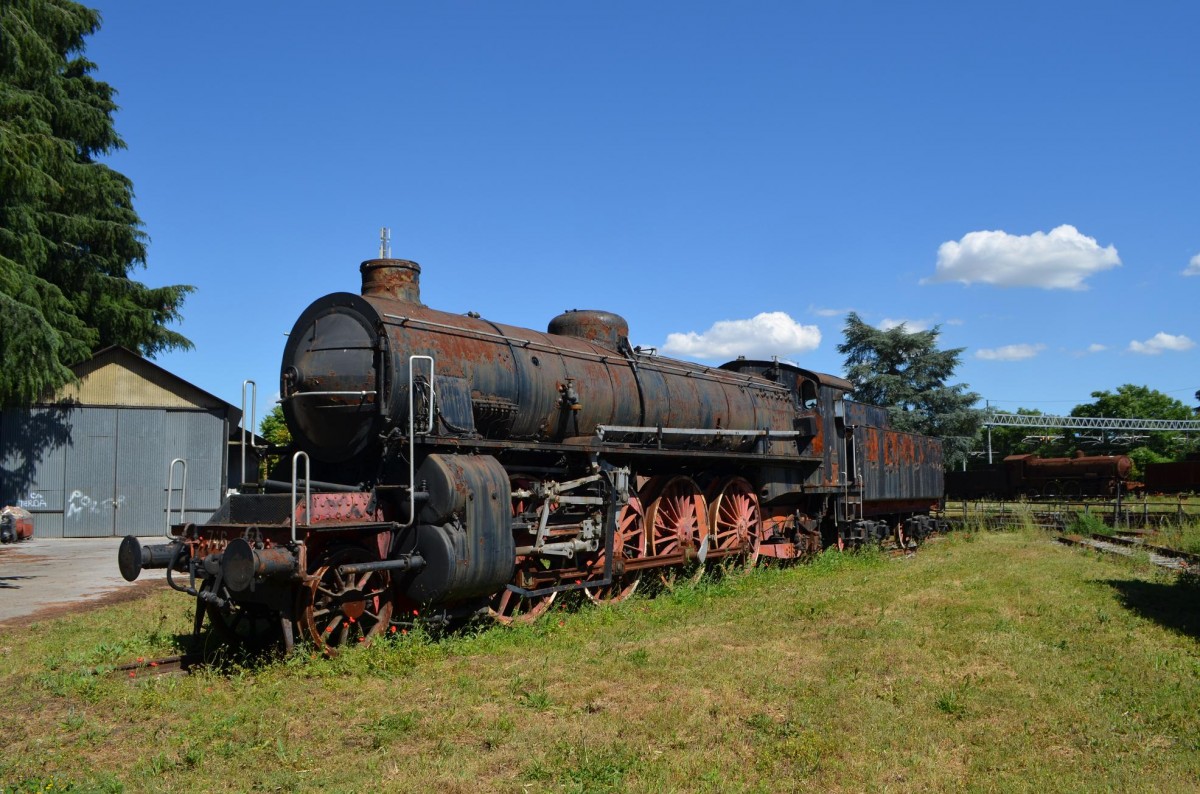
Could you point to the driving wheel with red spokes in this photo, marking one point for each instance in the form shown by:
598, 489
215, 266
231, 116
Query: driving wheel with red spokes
735, 520
676, 522
629, 543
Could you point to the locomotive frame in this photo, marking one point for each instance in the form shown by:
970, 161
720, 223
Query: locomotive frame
453, 467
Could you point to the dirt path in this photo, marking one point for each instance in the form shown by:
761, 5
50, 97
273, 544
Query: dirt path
48, 577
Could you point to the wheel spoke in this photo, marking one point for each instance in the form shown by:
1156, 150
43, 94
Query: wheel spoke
675, 521
334, 609
735, 520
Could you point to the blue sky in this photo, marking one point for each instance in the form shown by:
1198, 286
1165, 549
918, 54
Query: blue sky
730, 176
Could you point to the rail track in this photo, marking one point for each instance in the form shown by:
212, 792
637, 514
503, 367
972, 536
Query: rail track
1124, 543
1127, 545
162, 667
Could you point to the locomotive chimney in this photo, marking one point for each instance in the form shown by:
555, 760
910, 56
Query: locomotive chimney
396, 279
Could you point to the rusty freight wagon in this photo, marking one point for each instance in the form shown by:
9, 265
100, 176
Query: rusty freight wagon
448, 466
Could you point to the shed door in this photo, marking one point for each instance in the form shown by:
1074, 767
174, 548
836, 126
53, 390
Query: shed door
141, 466
89, 510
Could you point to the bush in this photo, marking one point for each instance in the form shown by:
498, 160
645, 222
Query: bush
1140, 457
1088, 524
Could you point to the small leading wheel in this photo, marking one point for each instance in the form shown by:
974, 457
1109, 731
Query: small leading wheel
676, 521
508, 607
734, 519
247, 627
629, 543
337, 610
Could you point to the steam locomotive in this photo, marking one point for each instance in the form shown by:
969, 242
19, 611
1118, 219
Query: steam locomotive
1033, 477
447, 466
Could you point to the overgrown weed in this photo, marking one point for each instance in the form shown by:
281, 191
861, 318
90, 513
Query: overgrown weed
1085, 523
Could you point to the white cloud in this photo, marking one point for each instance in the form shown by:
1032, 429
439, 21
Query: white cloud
1193, 268
1161, 342
912, 326
1060, 259
1096, 347
821, 312
1010, 352
762, 336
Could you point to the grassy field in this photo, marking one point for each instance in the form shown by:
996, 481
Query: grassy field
989, 661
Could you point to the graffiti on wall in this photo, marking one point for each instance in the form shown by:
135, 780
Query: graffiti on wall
33, 501
81, 504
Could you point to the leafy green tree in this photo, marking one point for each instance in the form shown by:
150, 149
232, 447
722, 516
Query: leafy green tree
905, 372
69, 236
1141, 402
273, 428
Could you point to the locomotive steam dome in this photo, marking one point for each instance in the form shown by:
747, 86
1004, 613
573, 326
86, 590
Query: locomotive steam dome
597, 327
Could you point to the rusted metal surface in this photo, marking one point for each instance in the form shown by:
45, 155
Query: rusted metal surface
1173, 477
1032, 476
345, 377
895, 466
335, 507
598, 327
1031, 467
394, 279
16, 523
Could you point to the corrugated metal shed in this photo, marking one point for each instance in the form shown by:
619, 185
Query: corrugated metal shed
93, 460
116, 376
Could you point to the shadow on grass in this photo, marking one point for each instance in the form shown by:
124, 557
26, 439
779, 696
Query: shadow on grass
1175, 606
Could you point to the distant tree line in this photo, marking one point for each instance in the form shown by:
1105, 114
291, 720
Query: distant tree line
1127, 402
906, 373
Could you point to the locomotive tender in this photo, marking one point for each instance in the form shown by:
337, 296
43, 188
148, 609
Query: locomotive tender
447, 465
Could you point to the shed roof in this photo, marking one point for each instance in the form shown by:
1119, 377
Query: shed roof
118, 377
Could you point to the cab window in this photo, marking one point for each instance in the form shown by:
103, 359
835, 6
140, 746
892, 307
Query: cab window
808, 395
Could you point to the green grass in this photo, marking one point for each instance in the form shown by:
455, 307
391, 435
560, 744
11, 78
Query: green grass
1185, 537
989, 661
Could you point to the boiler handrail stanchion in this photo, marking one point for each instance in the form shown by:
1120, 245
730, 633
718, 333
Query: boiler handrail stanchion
307, 491
412, 434
253, 417
171, 490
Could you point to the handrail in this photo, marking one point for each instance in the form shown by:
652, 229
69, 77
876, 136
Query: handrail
330, 394
412, 434
601, 430
171, 490
307, 491
253, 417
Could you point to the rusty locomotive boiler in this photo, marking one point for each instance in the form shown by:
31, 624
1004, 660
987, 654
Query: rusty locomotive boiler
447, 466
